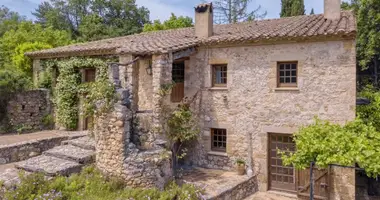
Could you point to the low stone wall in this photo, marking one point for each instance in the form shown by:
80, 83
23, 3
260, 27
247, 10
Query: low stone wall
24, 150
239, 191
26, 111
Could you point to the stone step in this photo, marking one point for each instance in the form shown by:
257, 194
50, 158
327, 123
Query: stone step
73, 153
9, 177
82, 142
49, 165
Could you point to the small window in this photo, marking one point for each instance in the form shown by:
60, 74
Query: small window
219, 75
287, 74
90, 75
218, 139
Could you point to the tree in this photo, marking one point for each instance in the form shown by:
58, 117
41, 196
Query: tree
8, 20
28, 36
312, 11
292, 8
173, 22
368, 35
233, 11
89, 20
352, 5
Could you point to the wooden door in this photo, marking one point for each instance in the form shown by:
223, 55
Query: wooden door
178, 76
321, 183
281, 178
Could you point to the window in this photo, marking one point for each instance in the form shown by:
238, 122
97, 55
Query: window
287, 74
90, 75
218, 139
219, 75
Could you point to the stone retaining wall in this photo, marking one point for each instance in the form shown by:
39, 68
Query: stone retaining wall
24, 150
26, 111
238, 192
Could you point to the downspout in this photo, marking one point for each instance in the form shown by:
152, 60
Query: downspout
249, 160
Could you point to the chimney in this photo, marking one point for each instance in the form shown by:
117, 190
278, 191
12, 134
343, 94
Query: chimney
203, 20
332, 9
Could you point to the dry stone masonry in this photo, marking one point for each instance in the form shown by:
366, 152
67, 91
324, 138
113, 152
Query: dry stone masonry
28, 109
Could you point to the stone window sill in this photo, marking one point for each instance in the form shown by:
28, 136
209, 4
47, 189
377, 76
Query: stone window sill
287, 89
216, 153
218, 89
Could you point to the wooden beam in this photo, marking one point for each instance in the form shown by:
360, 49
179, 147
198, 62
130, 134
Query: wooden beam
183, 53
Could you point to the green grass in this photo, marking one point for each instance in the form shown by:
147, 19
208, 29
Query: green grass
91, 185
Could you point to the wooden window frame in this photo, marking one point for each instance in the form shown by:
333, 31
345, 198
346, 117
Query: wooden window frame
86, 77
213, 69
218, 149
287, 85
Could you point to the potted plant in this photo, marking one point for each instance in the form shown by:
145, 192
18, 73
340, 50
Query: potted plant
240, 166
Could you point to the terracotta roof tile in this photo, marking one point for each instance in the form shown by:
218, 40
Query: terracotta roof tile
173, 40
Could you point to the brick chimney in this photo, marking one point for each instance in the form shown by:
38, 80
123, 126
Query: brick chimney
204, 20
332, 9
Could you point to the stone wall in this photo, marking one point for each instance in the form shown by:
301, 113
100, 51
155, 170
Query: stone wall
119, 149
342, 182
28, 109
24, 150
251, 104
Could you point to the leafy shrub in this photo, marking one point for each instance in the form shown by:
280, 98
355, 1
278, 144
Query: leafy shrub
325, 143
370, 114
91, 185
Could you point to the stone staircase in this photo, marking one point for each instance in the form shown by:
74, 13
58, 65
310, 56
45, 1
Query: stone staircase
64, 160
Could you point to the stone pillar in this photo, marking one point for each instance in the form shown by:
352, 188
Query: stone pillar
162, 74
36, 71
342, 182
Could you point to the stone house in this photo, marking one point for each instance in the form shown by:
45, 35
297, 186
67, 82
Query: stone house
254, 84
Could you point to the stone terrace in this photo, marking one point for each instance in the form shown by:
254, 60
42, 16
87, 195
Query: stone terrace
220, 184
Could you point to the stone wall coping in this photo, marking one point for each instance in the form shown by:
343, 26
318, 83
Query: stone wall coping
231, 187
68, 136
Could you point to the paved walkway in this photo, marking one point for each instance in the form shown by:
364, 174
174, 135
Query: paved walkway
16, 138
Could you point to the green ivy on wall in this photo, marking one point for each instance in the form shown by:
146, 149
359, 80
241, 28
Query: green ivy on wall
97, 96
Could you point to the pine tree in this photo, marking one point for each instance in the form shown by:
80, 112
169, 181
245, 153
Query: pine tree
312, 11
292, 8
232, 11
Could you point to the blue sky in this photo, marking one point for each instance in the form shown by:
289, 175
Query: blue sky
161, 9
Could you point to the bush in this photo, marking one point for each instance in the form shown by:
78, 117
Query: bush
91, 185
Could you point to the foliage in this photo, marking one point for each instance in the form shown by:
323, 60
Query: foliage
8, 20
11, 81
173, 22
240, 161
69, 87
21, 128
28, 36
352, 5
48, 121
370, 113
22, 62
93, 19
368, 37
292, 8
325, 143
233, 11
91, 185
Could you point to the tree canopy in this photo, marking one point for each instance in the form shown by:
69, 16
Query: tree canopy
232, 11
173, 22
88, 20
292, 8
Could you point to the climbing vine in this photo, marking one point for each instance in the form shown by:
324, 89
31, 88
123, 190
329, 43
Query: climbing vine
97, 96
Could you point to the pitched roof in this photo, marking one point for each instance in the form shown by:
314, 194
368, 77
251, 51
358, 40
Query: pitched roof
305, 26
